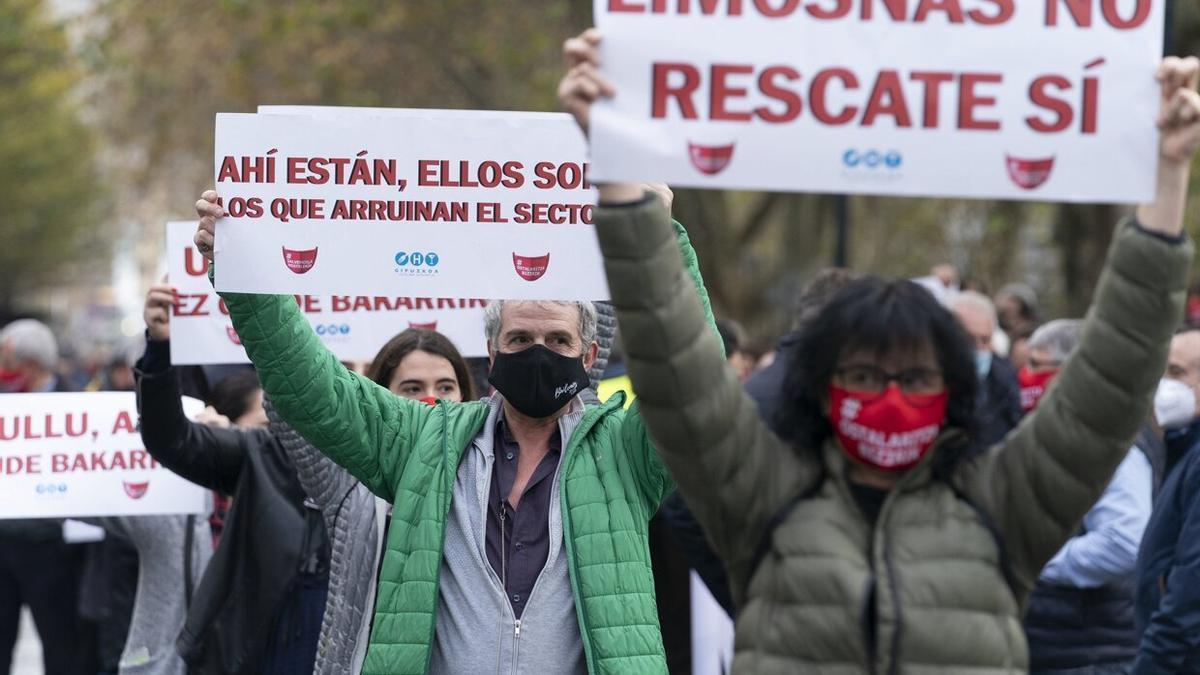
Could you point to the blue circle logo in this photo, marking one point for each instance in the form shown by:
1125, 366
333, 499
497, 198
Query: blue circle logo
401, 258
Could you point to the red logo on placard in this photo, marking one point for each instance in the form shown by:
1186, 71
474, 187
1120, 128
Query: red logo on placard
299, 261
531, 268
136, 490
233, 336
1029, 173
432, 325
710, 159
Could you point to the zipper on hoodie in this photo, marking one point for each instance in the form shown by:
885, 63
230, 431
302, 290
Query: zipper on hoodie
516, 645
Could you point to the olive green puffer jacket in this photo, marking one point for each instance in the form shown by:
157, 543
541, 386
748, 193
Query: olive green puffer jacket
939, 583
407, 453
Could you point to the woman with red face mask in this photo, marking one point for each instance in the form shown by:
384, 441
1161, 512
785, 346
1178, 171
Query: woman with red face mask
422, 365
876, 542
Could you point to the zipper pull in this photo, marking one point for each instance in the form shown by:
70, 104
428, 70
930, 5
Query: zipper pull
517, 629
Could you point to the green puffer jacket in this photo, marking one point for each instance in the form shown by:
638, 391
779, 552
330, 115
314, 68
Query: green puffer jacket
939, 584
406, 452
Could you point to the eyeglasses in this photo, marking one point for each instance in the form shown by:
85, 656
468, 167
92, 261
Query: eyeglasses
872, 379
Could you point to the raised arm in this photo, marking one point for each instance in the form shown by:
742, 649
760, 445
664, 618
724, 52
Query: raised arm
730, 468
1040, 482
204, 455
357, 423
652, 474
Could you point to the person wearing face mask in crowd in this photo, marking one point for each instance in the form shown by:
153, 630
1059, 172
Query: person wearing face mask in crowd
1081, 614
1168, 569
877, 541
258, 606
1048, 348
998, 406
518, 540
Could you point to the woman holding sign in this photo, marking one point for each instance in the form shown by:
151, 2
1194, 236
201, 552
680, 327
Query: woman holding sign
877, 542
421, 365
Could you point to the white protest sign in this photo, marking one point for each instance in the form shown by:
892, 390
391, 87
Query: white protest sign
1037, 99
425, 203
77, 455
353, 327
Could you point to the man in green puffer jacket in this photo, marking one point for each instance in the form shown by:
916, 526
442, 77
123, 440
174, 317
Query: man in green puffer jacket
518, 540
878, 543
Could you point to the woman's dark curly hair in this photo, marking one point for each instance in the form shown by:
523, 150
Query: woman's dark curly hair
883, 317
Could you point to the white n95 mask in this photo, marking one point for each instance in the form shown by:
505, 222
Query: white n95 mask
1174, 404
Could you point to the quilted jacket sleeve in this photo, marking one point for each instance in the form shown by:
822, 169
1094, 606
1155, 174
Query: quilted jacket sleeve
652, 474
355, 422
1038, 484
732, 471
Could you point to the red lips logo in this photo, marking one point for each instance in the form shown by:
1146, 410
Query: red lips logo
432, 325
710, 159
531, 268
299, 261
1029, 173
136, 490
233, 336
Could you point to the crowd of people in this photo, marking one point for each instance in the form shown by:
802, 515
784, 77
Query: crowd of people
910, 481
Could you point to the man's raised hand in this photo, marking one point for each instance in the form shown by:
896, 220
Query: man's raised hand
209, 211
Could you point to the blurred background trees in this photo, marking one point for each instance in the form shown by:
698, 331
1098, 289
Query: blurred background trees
155, 73
53, 195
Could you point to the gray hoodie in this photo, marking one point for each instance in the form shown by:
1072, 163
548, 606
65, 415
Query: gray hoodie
164, 583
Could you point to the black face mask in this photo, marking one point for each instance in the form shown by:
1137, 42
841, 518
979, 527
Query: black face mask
537, 381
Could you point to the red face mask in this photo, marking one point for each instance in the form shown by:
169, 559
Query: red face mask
429, 400
11, 381
1033, 386
890, 431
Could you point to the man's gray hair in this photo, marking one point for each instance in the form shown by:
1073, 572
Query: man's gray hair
31, 340
587, 319
1057, 338
977, 301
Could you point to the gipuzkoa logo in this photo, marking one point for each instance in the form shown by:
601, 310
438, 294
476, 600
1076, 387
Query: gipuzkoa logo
299, 261
416, 263
531, 268
233, 336
872, 159
1029, 174
430, 325
710, 159
136, 490
332, 329
51, 489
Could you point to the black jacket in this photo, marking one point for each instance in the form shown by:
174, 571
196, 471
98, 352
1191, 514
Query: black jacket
269, 534
1168, 572
998, 408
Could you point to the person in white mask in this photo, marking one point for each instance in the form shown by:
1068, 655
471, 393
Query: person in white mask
1168, 568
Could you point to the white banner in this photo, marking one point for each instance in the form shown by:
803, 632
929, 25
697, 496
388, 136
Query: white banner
1037, 99
77, 455
444, 204
353, 327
